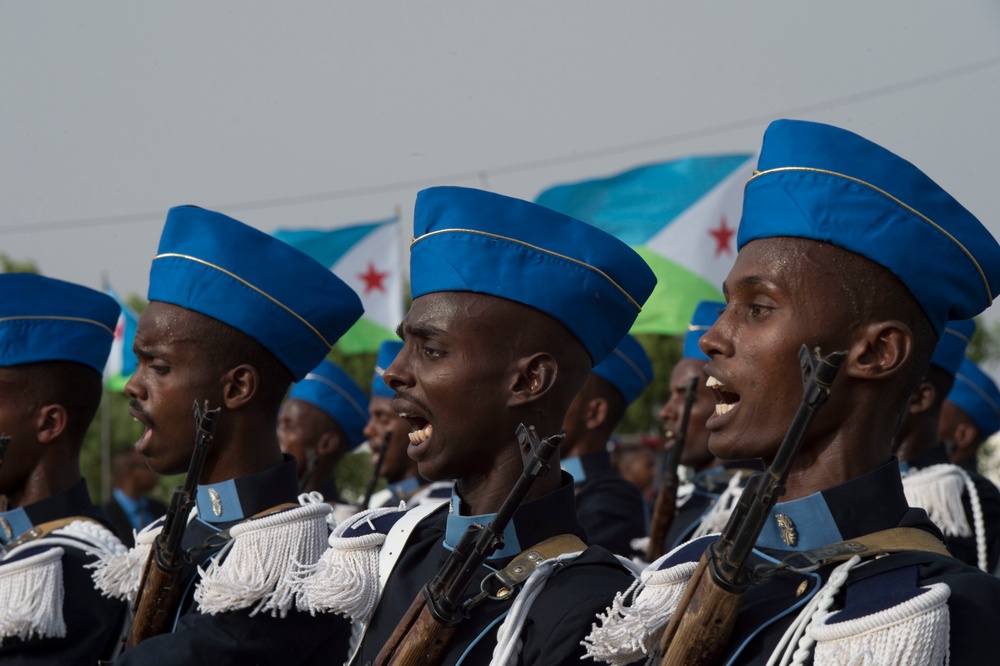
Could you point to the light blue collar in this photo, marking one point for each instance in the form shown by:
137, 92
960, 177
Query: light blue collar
13, 524
574, 467
219, 502
807, 522
458, 524
401, 489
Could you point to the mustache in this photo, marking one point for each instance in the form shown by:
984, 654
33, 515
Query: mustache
136, 409
403, 395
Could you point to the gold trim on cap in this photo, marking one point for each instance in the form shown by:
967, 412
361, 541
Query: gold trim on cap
982, 394
533, 247
964, 338
82, 320
338, 389
630, 363
989, 294
259, 291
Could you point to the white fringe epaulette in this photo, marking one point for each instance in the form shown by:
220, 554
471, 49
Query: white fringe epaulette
914, 631
31, 597
117, 573
32, 589
938, 490
345, 578
255, 569
631, 627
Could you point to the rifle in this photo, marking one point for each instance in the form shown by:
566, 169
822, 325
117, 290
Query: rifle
702, 625
160, 589
428, 626
666, 499
370, 488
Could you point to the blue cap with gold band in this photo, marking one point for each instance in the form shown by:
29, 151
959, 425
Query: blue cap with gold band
282, 298
705, 314
976, 394
627, 368
330, 389
471, 240
43, 319
950, 350
827, 184
386, 355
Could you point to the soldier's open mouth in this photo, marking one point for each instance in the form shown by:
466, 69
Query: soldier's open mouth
724, 400
422, 430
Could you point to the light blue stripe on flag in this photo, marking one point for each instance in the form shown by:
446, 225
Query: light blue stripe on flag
636, 204
327, 246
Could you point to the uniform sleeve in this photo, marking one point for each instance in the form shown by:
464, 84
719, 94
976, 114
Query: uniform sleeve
238, 638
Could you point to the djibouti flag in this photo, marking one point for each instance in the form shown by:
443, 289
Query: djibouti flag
367, 258
122, 361
680, 216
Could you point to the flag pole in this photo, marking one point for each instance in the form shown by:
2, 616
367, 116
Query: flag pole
105, 426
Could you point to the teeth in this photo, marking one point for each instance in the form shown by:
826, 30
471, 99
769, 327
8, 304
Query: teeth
722, 408
712, 382
669, 434
422, 435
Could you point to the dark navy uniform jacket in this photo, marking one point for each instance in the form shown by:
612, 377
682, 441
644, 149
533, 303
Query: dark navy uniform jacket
708, 485
865, 505
610, 508
93, 621
235, 637
557, 621
964, 548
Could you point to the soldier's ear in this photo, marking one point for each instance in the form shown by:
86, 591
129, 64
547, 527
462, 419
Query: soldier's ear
533, 377
881, 350
239, 385
50, 422
596, 413
922, 399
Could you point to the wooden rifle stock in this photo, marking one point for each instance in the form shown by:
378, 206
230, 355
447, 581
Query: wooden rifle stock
159, 593
703, 622
665, 508
425, 631
370, 488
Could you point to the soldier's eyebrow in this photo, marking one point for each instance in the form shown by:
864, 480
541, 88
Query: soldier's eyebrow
422, 331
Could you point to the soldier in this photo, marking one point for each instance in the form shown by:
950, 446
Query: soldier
609, 508
843, 246
513, 304
234, 317
970, 415
964, 505
699, 508
54, 340
323, 418
387, 437
130, 508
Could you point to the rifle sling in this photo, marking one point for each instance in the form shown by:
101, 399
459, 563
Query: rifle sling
525, 564
895, 540
43, 530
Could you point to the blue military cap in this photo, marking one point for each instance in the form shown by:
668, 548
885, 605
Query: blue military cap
977, 395
628, 369
386, 355
330, 389
705, 315
44, 319
282, 298
471, 240
950, 350
827, 184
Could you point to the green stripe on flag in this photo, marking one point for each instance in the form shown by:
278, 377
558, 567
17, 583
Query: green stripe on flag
364, 337
677, 292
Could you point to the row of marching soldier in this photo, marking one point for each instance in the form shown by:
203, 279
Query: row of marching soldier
823, 519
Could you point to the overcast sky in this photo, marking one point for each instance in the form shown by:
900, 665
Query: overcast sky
322, 114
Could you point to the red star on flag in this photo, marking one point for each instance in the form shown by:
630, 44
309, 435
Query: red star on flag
722, 236
373, 279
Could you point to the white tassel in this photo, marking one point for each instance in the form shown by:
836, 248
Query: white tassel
509, 642
345, 578
256, 567
631, 627
31, 597
914, 632
117, 573
938, 490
